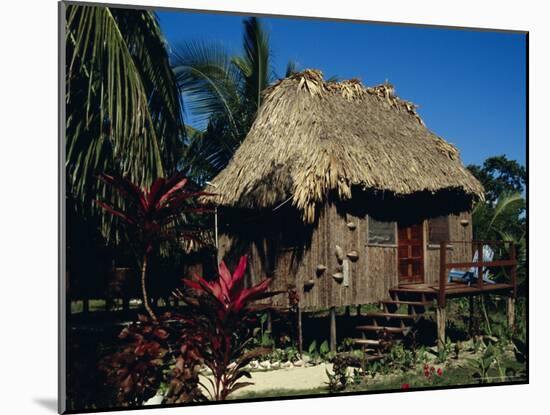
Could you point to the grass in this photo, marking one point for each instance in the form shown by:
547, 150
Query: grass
455, 373
452, 376
275, 393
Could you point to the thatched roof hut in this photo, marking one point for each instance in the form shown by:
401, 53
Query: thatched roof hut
313, 138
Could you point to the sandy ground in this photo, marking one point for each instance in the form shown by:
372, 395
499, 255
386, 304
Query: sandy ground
292, 378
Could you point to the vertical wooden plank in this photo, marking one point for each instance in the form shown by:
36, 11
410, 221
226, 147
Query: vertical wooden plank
426, 241
511, 311
442, 274
332, 329
472, 311
269, 321
441, 322
479, 265
513, 270
300, 336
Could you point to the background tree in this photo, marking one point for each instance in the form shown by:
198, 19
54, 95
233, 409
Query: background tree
499, 175
502, 215
225, 92
503, 210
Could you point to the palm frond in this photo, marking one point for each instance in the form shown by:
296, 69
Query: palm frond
255, 63
291, 68
123, 107
205, 74
506, 202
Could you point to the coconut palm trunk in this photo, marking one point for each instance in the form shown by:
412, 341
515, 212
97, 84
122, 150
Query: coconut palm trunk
144, 293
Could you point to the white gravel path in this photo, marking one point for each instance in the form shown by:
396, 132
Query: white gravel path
293, 378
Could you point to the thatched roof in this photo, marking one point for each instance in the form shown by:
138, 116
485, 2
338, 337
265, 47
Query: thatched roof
312, 137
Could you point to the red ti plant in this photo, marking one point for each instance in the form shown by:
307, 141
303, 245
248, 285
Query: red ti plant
154, 215
222, 313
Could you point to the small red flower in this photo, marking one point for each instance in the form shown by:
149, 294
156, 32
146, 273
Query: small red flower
432, 369
405, 386
439, 372
427, 373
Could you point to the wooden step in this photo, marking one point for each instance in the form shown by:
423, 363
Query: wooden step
360, 361
367, 342
392, 315
373, 358
428, 291
413, 303
381, 329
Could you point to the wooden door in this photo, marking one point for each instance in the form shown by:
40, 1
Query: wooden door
410, 247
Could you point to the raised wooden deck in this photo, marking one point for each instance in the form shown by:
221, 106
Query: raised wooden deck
420, 296
455, 289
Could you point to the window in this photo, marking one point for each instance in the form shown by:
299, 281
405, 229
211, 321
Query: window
382, 233
438, 229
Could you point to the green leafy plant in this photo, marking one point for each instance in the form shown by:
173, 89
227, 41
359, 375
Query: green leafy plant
324, 351
401, 357
346, 345
338, 379
444, 352
312, 349
264, 338
483, 364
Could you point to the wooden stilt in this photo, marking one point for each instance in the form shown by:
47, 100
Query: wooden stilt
472, 312
359, 310
333, 329
269, 323
511, 311
300, 338
85, 305
441, 322
347, 311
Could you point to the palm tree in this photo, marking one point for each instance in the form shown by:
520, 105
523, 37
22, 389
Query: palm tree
123, 105
491, 220
225, 91
504, 220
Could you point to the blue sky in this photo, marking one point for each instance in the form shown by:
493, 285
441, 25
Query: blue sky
469, 85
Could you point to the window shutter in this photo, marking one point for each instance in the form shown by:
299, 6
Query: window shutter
381, 232
438, 229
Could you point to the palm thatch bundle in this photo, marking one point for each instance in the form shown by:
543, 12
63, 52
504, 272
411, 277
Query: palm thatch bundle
312, 138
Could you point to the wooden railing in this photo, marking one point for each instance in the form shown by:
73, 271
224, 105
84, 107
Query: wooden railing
480, 264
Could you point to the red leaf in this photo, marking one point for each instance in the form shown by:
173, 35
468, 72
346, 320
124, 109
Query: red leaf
248, 295
176, 184
115, 212
226, 281
238, 276
155, 192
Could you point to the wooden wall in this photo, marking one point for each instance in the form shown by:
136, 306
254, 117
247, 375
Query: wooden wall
370, 276
456, 252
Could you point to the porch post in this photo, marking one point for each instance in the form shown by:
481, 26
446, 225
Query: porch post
472, 312
300, 334
333, 329
440, 317
511, 311
269, 322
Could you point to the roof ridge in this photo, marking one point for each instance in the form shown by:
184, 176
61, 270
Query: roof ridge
312, 81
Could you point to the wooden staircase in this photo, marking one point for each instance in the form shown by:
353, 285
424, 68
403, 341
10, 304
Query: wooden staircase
393, 323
